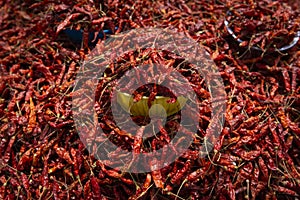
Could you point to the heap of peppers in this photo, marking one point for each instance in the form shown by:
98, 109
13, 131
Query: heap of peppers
42, 156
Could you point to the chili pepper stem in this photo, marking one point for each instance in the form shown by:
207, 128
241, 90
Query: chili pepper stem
19, 110
248, 189
212, 189
205, 144
289, 174
19, 188
134, 181
183, 182
269, 180
79, 181
280, 52
41, 195
175, 195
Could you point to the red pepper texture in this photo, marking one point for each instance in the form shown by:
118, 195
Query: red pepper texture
256, 155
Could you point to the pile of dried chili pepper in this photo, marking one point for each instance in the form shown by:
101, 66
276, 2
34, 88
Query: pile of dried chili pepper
265, 25
42, 156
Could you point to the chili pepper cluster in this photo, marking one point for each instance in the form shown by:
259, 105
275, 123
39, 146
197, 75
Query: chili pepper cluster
256, 155
267, 25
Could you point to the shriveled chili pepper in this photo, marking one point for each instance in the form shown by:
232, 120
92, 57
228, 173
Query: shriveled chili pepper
145, 187
61, 152
7, 154
180, 173
95, 188
156, 174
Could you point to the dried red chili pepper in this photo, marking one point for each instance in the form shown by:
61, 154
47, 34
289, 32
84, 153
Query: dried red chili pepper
32, 117
62, 153
180, 173
145, 187
283, 190
7, 154
66, 22
156, 174
95, 188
